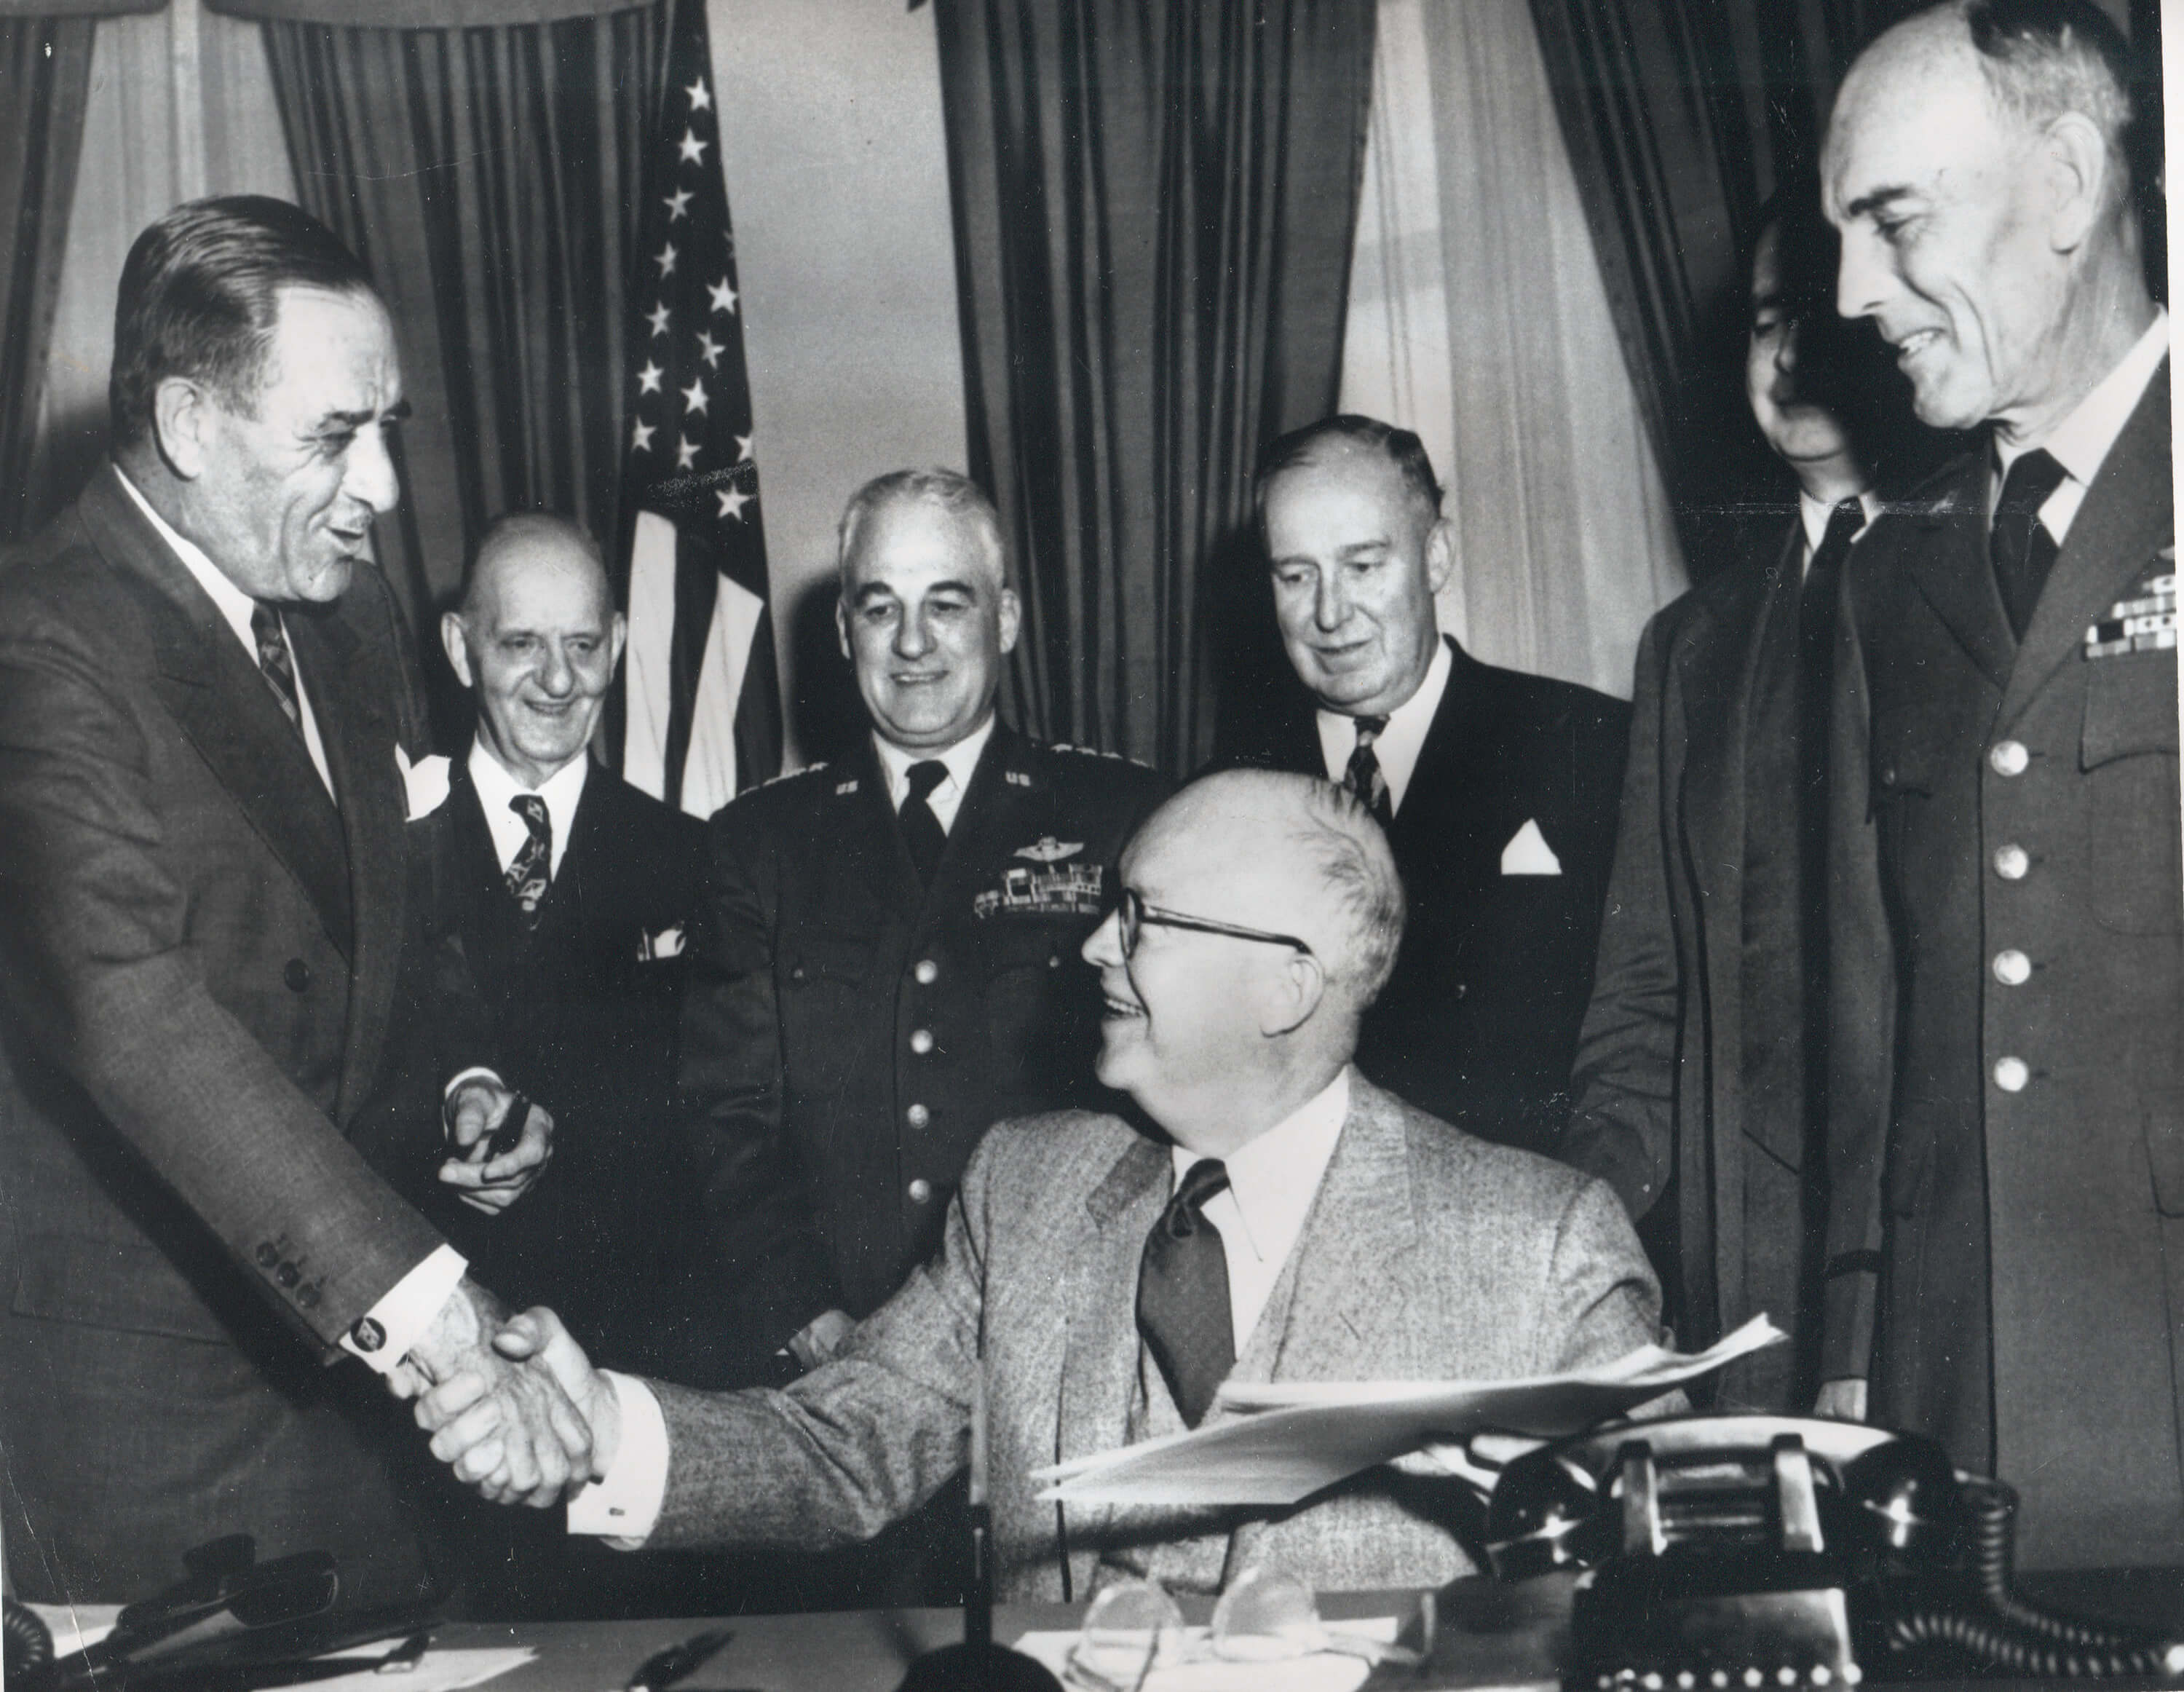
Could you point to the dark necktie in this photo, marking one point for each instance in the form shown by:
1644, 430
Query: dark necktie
1816, 634
1364, 777
273, 662
533, 872
1182, 1294
921, 829
2022, 548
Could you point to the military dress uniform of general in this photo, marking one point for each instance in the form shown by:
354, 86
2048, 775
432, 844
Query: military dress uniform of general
2006, 1241
848, 1032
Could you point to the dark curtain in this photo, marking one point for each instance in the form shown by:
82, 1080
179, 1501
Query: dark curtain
489, 177
1154, 203
44, 77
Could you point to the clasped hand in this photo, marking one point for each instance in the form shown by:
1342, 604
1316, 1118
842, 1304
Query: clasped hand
474, 1111
484, 1418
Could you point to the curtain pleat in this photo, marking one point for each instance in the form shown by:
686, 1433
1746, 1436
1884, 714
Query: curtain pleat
45, 81
1153, 202
489, 177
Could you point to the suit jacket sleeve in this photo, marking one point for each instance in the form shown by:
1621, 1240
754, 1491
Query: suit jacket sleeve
860, 1441
759, 1218
1600, 1301
100, 965
1623, 1125
1861, 1016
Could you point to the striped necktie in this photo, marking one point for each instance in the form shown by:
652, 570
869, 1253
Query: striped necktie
275, 662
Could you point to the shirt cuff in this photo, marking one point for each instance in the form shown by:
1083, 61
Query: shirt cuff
383, 1335
622, 1506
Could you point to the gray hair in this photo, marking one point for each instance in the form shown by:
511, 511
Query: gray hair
1346, 847
2042, 59
951, 491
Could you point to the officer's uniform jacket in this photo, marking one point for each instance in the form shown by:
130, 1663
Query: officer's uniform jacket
848, 1035
2006, 1240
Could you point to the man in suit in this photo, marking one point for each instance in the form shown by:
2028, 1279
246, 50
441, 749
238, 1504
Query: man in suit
1292, 1222
1497, 789
207, 949
882, 973
1702, 1050
2005, 1259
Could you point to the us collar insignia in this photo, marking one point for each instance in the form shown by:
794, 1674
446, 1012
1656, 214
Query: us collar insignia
1046, 850
1055, 889
2145, 619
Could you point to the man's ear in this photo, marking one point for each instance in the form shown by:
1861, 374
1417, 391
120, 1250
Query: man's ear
455, 643
1440, 554
842, 628
1291, 994
1010, 619
2075, 165
182, 425
617, 637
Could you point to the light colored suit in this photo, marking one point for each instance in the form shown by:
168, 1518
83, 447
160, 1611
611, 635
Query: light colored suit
1426, 1254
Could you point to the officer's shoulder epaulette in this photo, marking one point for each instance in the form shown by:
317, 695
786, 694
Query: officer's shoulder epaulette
786, 778
1095, 752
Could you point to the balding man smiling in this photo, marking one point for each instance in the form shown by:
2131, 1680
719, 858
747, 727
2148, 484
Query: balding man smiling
1290, 1221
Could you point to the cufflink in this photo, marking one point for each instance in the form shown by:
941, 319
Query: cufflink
367, 1336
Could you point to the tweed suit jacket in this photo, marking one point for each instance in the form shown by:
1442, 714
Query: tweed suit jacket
1659, 1080
2006, 1242
202, 957
1478, 1025
1427, 1253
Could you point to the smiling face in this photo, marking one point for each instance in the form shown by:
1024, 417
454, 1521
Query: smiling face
536, 642
1356, 559
282, 497
1942, 203
926, 620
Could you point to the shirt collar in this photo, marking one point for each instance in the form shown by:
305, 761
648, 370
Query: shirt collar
1400, 743
1814, 515
1274, 1178
2080, 441
960, 759
496, 787
234, 606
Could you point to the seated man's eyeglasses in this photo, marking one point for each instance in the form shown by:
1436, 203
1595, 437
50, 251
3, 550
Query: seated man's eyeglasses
1134, 914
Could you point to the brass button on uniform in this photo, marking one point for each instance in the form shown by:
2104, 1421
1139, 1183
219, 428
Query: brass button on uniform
297, 973
921, 1041
921, 1191
2009, 758
917, 1115
2012, 968
2011, 1074
926, 972
2011, 862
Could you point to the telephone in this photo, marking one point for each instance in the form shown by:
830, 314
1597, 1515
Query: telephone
1751, 1551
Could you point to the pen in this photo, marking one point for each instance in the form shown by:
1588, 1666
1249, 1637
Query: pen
406, 1655
663, 1668
509, 1133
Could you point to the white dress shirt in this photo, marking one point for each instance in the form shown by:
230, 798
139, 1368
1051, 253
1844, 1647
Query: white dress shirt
497, 788
2080, 441
1815, 513
961, 760
235, 607
1400, 743
1272, 1183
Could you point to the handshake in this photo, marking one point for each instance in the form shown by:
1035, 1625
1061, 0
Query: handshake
514, 1406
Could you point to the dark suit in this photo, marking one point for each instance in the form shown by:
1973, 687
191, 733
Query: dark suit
1693, 1065
848, 1026
2027, 1225
1480, 1023
203, 961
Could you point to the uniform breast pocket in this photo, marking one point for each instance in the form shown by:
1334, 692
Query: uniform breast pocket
2128, 754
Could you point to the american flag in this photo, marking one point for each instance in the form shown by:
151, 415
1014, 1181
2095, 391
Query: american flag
701, 705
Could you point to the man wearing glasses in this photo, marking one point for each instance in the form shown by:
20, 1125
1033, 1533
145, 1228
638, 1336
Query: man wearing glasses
1272, 1216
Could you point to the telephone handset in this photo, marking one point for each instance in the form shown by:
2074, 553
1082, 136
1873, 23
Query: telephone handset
1748, 1551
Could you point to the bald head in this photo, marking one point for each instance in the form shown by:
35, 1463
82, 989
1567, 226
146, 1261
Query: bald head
535, 639
1270, 915
1978, 165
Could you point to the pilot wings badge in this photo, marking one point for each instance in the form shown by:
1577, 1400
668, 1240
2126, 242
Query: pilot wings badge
1055, 887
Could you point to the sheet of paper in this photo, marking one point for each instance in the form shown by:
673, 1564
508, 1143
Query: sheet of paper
437, 1671
1192, 1667
73, 1625
1300, 1437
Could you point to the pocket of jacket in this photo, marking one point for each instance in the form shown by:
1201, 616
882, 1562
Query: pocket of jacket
2128, 753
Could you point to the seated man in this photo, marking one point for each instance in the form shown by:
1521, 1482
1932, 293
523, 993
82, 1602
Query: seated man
1297, 1224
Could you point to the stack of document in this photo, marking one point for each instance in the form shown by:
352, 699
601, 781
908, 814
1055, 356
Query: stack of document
1297, 1437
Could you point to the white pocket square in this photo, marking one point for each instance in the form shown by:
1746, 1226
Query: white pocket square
667, 943
424, 784
1528, 853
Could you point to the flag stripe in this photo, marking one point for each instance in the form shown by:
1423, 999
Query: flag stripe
708, 772
648, 659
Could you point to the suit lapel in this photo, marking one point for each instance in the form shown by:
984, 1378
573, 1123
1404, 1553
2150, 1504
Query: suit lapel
217, 697
2126, 516
1952, 568
1451, 805
874, 853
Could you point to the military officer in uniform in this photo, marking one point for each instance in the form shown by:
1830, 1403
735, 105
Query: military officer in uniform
888, 963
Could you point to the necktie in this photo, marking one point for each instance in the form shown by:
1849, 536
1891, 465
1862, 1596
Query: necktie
1363, 777
1816, 633
921, 829
1182, 1294
273, 662
533, 872
2022, 548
